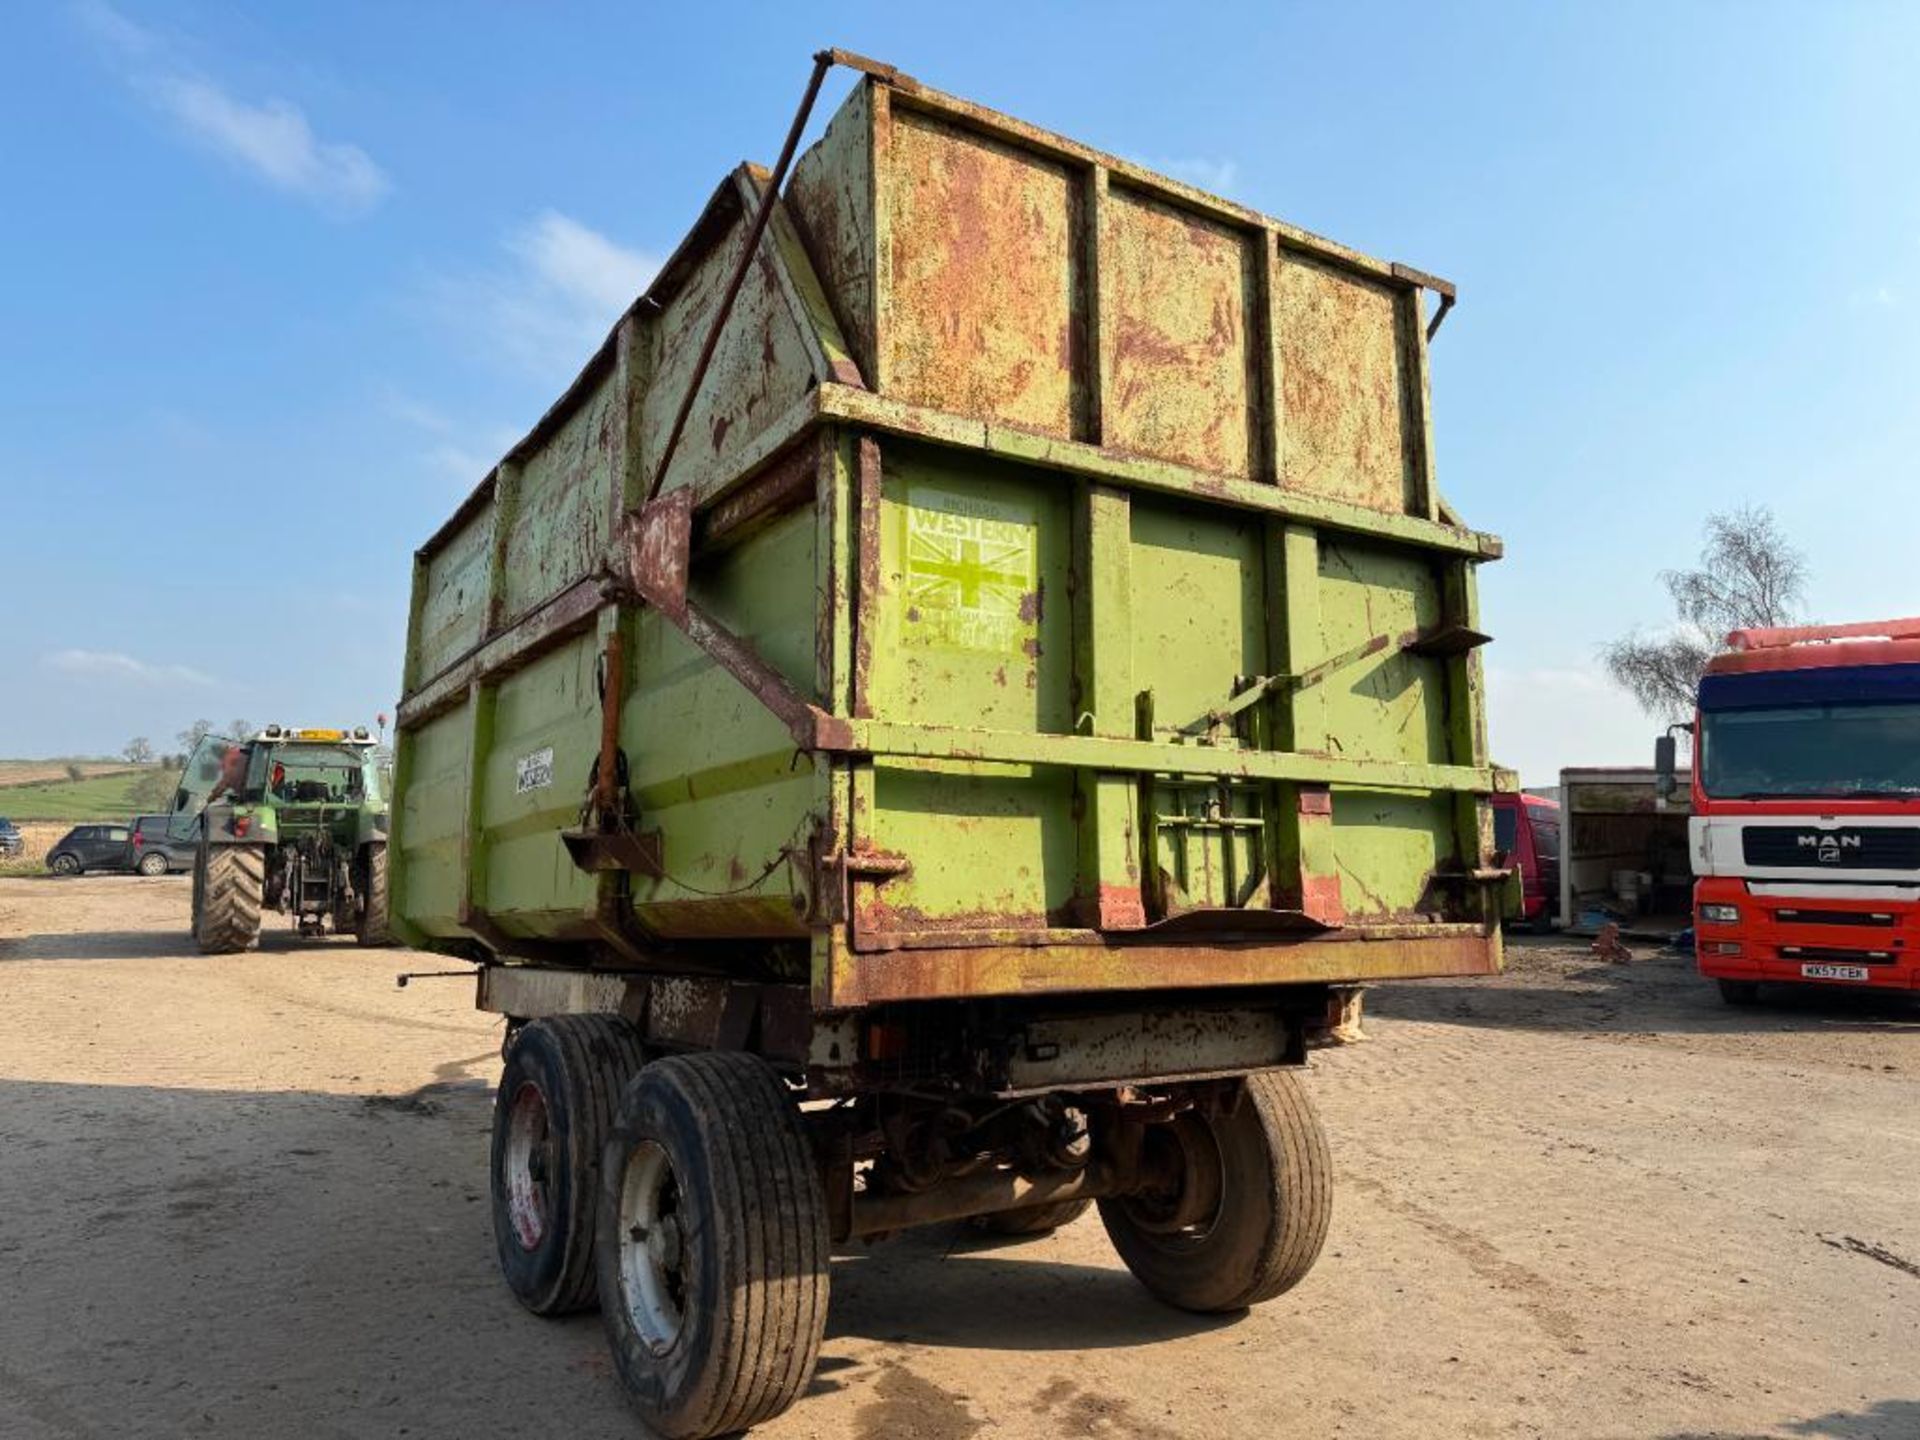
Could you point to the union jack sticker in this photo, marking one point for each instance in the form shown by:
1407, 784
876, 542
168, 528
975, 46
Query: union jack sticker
970, 569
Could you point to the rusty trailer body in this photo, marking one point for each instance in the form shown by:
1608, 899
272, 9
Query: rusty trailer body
984, 626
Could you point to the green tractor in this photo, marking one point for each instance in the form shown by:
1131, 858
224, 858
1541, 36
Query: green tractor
293, 821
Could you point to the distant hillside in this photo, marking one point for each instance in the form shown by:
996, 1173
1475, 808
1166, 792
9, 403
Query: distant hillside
113, 795
33, 772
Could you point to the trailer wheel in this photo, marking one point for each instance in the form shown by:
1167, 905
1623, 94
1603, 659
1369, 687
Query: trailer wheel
1034, 1220
1260, 1180
558, 1096
228, 883
1740, 992
713, 1246
372, 926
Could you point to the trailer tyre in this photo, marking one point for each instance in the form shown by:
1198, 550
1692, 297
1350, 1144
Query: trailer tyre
1269, 1177
1740, 992
372, 926
228, 884
558, 1096
1034, 1220
713, 1246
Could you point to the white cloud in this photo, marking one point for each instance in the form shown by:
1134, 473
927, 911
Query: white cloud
1876, 297
274, 141
554, 301
468, 466
463, 452
1215, 176
416, 413
271, 140
580, 264
113, 665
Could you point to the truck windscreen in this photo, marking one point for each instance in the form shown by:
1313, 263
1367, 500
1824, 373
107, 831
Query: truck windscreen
1832, 750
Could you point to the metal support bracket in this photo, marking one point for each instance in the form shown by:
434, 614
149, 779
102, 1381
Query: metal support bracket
657, 541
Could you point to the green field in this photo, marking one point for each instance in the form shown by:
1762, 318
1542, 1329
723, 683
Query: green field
99, 797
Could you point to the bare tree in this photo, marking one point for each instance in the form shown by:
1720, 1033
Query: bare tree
195, 733
1749, 576
139, 751
240, 729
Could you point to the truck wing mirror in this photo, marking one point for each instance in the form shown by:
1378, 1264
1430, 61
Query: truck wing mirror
1665, 766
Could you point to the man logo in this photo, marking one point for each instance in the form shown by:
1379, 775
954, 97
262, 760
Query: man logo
1828, 846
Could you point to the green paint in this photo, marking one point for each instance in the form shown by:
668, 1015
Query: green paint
1126, 459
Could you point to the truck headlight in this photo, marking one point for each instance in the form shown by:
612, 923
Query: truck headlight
1720, 914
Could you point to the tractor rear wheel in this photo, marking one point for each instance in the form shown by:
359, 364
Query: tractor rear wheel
1249, 1212
228, 883
372, 927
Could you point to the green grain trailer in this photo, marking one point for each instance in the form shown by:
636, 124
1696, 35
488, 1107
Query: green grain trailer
930, 725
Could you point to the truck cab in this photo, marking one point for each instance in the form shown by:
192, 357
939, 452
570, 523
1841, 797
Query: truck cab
1806, 808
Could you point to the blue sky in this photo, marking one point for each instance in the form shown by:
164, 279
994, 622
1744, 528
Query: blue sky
282, 281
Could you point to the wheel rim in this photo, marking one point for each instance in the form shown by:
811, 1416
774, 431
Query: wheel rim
528, 1166
653, 1247
65, 865
1184, 1215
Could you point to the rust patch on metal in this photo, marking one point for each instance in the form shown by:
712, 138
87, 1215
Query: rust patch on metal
1182, 385
868, 485
1120, 907
658, 543
981, 971
785, 484
828, 203
982, 276
518, 645
1343, 387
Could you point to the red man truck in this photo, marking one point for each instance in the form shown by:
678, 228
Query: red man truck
1806, 808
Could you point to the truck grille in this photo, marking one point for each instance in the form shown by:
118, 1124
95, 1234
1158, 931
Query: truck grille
1835, 953
1880, 918
1848, 848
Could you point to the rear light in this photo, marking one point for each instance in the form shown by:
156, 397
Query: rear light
138, 839
1720, 914
239, 825
1727, 947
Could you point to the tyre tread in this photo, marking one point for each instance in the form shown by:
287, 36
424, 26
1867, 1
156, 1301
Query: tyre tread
767, 1322
1305, 1206
231, 896
597, 1056
373, 928
1284, 1188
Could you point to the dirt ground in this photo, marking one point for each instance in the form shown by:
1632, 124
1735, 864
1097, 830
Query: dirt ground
247, 1196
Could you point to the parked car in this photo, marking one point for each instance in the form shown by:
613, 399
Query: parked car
92, 847
157, 849
12, 842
